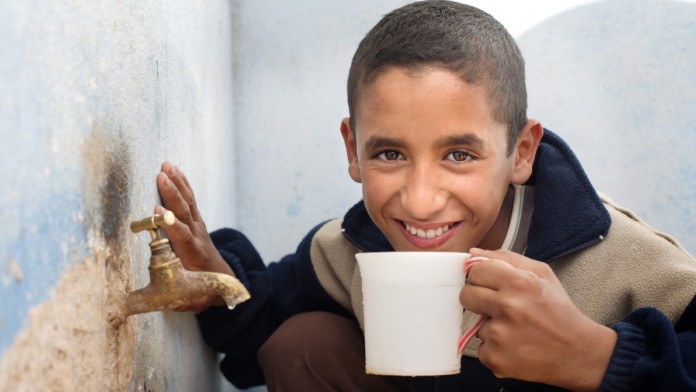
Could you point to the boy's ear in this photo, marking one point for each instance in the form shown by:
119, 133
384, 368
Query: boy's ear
351, 150
525, 151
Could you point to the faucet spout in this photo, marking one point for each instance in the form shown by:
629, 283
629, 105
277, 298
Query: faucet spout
171, 285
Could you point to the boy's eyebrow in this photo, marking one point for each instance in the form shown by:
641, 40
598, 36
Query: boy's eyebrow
467, 139
379, 142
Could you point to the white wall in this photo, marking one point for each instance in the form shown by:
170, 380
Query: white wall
293, 60
617, 80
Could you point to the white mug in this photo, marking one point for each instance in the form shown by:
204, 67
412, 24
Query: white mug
412, 315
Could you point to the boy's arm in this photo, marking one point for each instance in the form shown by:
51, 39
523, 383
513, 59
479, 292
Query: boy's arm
189, 236
277, 292
653, 355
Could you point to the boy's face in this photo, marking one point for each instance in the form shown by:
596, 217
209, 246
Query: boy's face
432, 161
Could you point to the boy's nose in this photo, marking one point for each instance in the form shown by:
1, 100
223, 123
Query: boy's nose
422, 195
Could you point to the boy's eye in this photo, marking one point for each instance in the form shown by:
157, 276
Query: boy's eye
389, 156
458, 156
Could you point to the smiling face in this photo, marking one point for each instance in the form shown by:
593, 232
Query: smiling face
433, 162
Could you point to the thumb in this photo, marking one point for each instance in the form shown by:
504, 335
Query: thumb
514, 259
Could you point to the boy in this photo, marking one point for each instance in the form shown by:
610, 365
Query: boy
578, 293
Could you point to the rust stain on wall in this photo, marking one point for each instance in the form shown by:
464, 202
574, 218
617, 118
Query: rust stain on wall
106, 185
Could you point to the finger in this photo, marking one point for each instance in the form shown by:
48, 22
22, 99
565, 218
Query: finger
496, 288
514, 259
477, 299
492, 274
486, 344
172, 198
178, 233
186, 181
471, 262
174, 174
493, 331
177, 176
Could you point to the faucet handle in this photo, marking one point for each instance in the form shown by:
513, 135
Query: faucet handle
153, 223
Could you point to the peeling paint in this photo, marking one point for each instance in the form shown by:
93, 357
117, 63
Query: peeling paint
67, 344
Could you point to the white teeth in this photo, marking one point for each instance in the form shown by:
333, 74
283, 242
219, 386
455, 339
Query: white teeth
430, 233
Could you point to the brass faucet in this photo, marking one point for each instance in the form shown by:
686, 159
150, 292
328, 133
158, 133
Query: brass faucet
171, 285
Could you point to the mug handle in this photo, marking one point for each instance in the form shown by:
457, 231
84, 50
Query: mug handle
464, 340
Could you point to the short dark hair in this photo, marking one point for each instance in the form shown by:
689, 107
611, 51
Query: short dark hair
457, 37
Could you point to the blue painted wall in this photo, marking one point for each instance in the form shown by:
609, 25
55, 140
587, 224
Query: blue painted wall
93, 97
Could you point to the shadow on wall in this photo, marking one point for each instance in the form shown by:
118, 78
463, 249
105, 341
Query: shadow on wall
616, 80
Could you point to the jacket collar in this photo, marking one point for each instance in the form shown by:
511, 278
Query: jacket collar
568, 213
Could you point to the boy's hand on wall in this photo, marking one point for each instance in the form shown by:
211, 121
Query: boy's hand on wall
534, 332
188, 235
